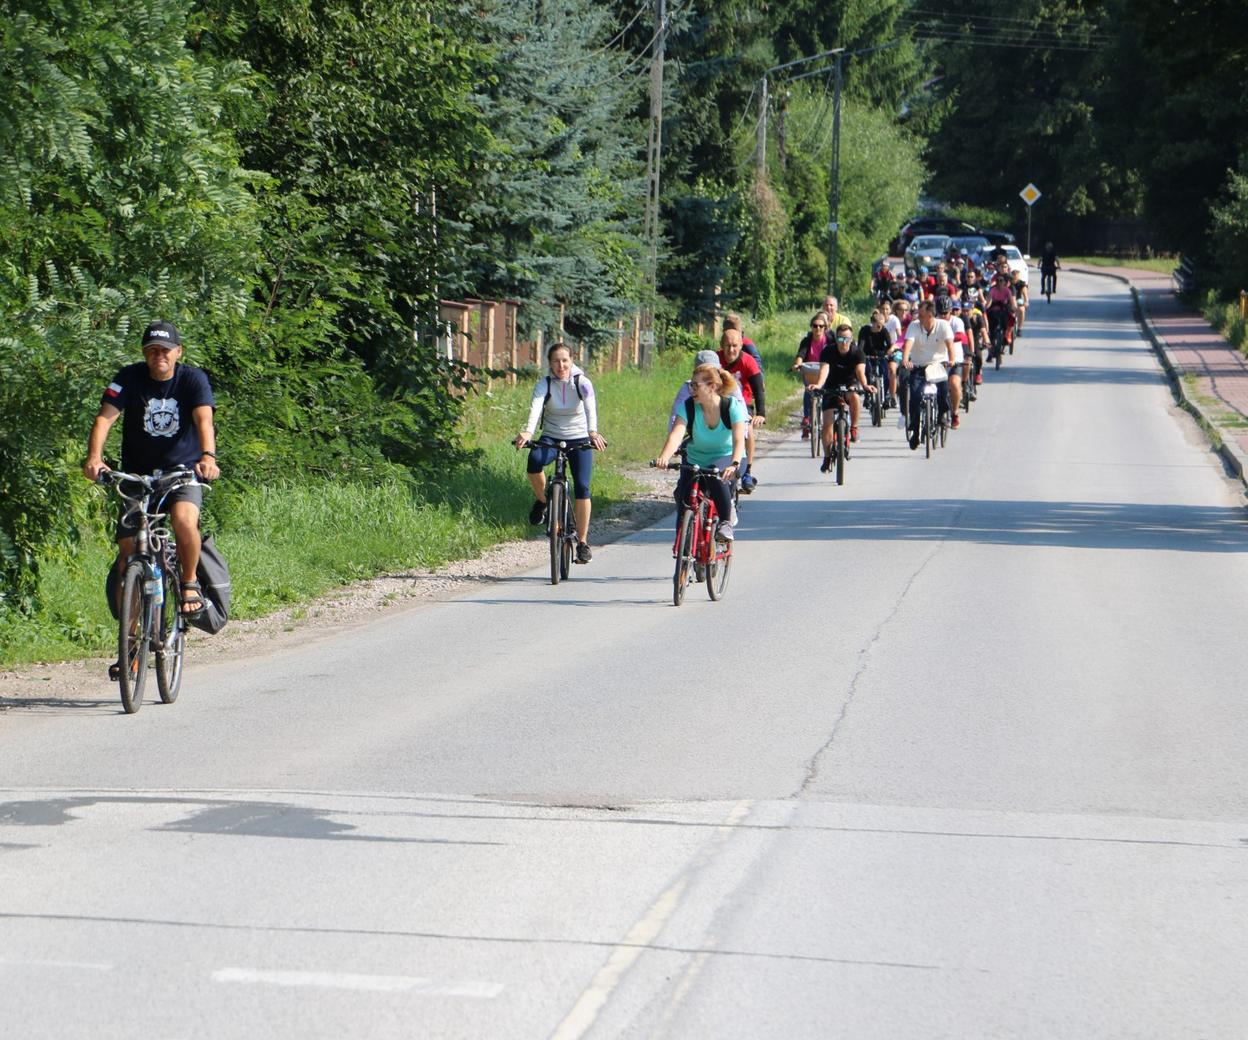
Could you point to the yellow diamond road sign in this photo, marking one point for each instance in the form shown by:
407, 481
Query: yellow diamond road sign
1030, 194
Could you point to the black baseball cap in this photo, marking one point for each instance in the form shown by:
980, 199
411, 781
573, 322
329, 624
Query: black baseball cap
163, 334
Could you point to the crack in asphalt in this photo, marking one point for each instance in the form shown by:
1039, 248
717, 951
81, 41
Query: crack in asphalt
812, 764
395, 933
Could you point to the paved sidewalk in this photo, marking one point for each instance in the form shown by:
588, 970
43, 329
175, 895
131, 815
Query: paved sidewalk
1190, 346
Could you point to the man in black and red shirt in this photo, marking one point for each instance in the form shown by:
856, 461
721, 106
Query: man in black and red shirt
747, 372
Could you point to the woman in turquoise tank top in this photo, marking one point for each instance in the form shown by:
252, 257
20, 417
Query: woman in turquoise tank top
716, 438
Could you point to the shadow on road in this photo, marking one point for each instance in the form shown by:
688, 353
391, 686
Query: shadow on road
1077, 525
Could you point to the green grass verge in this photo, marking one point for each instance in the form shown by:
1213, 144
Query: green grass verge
1226, 319
291, 543
1161, 264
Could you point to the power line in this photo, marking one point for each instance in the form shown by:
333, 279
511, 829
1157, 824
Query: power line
745, 112
1003, 23
994, 36
951, 36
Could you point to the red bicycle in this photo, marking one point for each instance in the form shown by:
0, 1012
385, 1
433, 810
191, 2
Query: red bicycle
699, 554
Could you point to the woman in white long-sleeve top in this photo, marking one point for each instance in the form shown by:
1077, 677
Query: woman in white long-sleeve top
565, 406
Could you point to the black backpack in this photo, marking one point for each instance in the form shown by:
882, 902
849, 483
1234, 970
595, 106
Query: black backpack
214, 579
576, 383
725, 413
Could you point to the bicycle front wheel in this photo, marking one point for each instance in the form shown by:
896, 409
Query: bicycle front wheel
717, 572
568, 539
172, 646
554, 528
816, 428
929, 423
132, 638
684, 557
842, 448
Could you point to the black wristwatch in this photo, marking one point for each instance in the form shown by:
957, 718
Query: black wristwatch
213, 454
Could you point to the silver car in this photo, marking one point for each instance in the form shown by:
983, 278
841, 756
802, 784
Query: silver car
1013, 256
926, 251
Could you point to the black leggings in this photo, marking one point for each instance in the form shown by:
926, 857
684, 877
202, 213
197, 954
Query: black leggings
719, 491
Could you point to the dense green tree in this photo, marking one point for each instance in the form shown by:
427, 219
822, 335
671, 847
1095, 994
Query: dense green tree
559, 189
362, 122
122, 198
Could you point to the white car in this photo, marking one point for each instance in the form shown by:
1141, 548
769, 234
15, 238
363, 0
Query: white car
1016, 260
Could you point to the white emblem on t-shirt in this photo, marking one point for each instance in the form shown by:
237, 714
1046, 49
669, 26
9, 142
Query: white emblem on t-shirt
161, 419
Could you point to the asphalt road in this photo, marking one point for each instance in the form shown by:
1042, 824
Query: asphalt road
961, 755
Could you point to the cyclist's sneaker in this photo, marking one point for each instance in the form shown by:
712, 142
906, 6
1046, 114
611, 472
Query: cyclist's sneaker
723, 533
890, 401
979, 378
853, 435
583, 553
537, 515
748, 484
914, 439
956, 422
826, 464
805, 429
733, 521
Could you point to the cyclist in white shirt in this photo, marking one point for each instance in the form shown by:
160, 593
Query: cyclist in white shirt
565, 405
944, 311
929, 340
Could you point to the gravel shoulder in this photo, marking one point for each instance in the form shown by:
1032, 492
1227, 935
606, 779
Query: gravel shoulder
41, 685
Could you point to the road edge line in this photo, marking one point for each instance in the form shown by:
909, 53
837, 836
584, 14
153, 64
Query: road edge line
1226, 448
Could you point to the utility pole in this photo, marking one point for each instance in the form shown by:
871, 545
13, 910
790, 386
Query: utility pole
834, 199
761, 148
653, 156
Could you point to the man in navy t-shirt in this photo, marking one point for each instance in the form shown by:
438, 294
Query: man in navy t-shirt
168, 423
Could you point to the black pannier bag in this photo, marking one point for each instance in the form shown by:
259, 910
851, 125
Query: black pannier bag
214, 579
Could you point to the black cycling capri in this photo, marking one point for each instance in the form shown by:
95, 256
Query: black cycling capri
581, 463
193, 493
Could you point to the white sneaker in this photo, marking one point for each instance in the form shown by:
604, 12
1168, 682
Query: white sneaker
733, 519
901, 421
724, 532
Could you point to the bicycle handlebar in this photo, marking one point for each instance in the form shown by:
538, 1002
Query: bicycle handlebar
711, 471
176, 477
542, 442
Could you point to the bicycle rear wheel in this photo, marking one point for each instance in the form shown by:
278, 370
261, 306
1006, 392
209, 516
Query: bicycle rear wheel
172, 647
132, 638
684, 557
554, 528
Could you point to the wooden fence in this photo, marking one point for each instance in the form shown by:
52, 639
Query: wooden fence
484, 334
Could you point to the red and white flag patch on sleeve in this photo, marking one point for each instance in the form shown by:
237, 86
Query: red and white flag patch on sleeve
113, 390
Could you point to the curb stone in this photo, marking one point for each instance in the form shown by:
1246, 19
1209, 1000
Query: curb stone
1231, 453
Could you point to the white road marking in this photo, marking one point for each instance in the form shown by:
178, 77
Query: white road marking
585, 1011
350, 980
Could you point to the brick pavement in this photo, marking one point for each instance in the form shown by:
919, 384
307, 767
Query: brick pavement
1195, 348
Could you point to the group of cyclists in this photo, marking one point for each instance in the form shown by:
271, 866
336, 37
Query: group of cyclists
952, 315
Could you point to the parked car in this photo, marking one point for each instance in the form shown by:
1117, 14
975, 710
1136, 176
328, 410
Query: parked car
929, 226
1016, 259
998, 238
969, 245
926, 251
